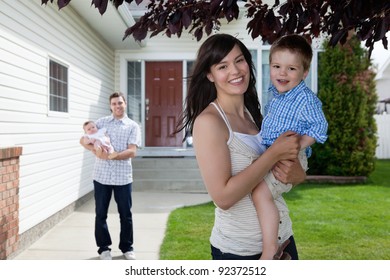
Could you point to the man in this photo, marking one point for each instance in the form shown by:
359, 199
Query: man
115, 176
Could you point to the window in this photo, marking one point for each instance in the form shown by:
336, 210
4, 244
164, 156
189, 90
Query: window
58, 87
134, 107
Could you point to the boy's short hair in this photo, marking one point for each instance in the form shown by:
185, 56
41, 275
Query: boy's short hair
295, 43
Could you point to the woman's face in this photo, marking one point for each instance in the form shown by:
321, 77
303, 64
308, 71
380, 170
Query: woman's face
231, 75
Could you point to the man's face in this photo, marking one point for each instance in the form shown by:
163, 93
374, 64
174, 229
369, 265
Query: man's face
118, 107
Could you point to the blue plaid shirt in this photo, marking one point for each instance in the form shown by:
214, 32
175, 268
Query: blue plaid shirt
122, 133
298, 110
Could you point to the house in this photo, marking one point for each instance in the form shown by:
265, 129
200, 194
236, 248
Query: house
383, 84
57, 69
383, 117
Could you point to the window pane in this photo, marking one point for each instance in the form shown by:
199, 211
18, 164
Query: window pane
58, 87
134, 90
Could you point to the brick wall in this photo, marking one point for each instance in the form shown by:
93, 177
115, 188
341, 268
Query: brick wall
9, 200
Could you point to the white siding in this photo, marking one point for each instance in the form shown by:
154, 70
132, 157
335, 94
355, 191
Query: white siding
383, 147
55, 170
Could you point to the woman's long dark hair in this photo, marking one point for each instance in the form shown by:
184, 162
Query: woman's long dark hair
202, 92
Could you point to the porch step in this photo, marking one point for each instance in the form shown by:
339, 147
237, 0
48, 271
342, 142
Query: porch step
179, 174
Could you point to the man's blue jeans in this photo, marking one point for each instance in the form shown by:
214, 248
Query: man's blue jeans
122, 195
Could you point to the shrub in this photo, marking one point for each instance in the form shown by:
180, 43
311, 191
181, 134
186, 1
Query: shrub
348, 93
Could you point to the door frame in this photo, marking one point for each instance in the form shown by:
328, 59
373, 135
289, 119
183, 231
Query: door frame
156, 151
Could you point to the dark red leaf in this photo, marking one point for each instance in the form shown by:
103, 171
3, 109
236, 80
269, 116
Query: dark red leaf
176, 17
384, 42
140, 34
209, 27
162, 18
270, 19
154, 33
117, 3
233, 12
339, 36
62, 3
291, 23
187, 18
174, 28
168, 33
370, 19
365, 32
215, 5
101, 5
381, 29
45, 1
284, 9
230, 2
198, 34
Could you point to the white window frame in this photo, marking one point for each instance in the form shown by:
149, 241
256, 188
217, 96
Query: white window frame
54, 113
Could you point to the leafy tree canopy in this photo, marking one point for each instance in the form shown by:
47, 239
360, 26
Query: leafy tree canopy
369, 19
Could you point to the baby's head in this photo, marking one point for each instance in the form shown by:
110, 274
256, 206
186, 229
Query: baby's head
90, 127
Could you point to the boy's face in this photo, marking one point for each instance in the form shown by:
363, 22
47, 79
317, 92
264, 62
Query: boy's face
286, 70
90, 128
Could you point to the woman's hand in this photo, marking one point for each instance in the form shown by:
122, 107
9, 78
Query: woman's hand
286, 146
289, 172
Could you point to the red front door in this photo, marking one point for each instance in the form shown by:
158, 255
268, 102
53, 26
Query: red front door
164, 102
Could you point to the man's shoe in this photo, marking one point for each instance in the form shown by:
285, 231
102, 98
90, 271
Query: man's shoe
129, 255
106, 255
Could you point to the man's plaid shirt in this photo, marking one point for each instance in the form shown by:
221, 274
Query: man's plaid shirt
122, 133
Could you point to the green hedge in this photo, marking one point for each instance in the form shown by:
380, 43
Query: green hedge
348, 93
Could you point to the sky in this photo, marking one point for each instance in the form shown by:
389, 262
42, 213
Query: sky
380, 55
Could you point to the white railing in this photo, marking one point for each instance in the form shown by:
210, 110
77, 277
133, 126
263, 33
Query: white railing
383, 147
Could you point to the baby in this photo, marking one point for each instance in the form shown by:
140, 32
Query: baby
99, 139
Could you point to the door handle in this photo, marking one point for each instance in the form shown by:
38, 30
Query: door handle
147, 108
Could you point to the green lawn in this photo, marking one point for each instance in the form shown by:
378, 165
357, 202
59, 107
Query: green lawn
330, 222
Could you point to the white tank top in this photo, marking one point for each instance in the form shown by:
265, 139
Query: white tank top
237, 230
253, 141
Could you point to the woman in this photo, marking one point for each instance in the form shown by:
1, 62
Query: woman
223, 113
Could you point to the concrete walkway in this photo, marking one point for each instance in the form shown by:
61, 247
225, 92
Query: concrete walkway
73, 238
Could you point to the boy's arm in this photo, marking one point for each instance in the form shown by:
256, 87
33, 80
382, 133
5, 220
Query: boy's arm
306, 141
317, 125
